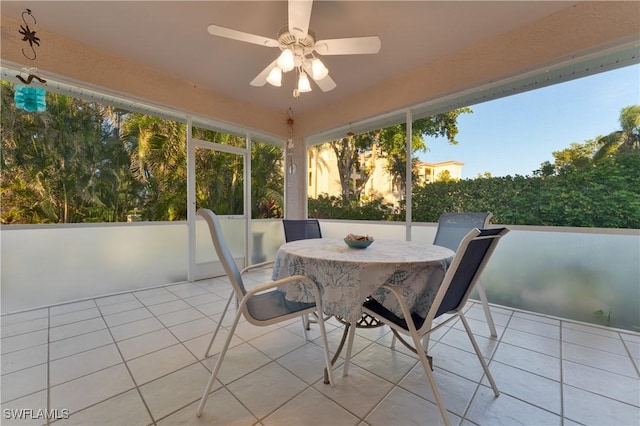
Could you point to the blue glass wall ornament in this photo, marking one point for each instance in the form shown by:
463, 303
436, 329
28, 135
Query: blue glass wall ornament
32, 99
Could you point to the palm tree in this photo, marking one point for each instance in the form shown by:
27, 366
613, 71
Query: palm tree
626, 140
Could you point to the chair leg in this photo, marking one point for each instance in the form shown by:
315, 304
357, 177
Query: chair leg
476, 348
305, 326
325, 344
485, 306
347, 357
215, 333
426, 366
216, 369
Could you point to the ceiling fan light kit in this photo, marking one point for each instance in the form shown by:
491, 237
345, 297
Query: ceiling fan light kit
298, 45
275, 77
286, 60
303, 83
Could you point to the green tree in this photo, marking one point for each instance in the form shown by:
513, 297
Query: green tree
267, 181
356, 154
158, 159
627, 139
61, 165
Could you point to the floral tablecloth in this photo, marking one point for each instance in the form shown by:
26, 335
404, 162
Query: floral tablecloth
347, 276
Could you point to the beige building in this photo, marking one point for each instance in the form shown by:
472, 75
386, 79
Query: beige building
323, 176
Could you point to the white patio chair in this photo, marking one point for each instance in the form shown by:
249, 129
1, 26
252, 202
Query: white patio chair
261, 306
467, 265
452, 228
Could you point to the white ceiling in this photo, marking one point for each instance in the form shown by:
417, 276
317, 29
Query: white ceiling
171, 36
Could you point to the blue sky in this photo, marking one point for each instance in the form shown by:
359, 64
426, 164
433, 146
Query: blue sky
523, 130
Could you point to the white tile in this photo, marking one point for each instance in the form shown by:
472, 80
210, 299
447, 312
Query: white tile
71, 307
23, 382
526, 386
127, 317
150, 292
9, 319
313, 409
176, 390
536, 317
541, 328
136, 328
595, 341
23, 327
81, 343
83, 363
192, 329
486, 409
159, 363
179, 317
282, 386
247, 331
23, 341
185, 290
222, 409
456, 391
277, 343
202, 299
460, 339
500, 317
239, 361
385, 362
528, 360
76, 329
115, 308
456, 361
198, 345
307, 362
75, 316
124, 409
91, 389
599, 359
146, 343
116, 299
25, 358
359, 392
588, 408
216, 307
159, 299
633, 346
164, 308
591, 328
611, 385
404, 408
18, 416
532, 342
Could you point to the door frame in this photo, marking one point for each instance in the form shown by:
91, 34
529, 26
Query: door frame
192, 145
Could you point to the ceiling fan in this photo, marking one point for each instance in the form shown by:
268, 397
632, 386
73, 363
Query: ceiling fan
299, 47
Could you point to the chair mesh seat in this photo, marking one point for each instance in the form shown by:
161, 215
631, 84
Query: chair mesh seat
273, 304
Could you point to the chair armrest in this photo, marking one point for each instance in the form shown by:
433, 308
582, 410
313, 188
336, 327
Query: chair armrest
256, 266
282, 281
406, 313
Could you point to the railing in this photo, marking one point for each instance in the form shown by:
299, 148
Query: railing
590, 275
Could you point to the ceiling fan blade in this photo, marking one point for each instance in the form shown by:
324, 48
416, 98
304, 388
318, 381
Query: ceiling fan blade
299, 17
324, 84
261, 79
349, 46
217, 30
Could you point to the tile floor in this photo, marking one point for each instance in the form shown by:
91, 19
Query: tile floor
137, 359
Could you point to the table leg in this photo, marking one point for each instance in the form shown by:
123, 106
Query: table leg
411, 348
338, 351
